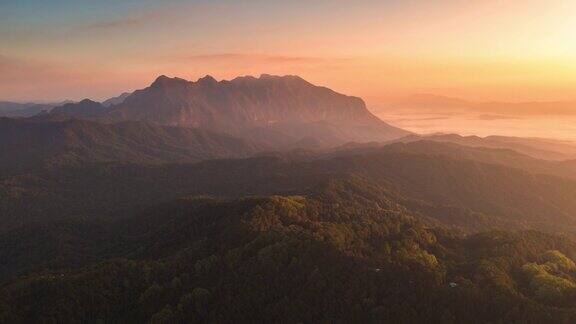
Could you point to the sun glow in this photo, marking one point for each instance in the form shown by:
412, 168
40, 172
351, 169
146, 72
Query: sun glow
488, 50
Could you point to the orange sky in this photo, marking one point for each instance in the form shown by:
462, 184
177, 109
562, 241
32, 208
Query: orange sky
512, 50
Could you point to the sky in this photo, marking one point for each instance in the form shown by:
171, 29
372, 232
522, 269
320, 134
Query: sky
489, 50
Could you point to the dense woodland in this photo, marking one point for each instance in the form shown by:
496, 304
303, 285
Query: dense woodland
287, 259
370, 236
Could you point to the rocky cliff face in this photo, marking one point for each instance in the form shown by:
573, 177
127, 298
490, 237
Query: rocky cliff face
283, 111
288, 104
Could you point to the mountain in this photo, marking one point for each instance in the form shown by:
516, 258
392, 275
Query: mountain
6, 106
286, 105
30, 143
497, 156
84, 109
448, 189
539, 148
11, 109
542, 148
436, 146
533, 108
116, 100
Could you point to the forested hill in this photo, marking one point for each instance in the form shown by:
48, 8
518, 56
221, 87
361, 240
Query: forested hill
30, 144
409, 232
287, 259
463, 193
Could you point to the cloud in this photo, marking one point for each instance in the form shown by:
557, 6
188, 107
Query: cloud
168, 12
25, 79
18, 77
119, 23
11, 68
490, 117
254, 57
126, 22
414, 118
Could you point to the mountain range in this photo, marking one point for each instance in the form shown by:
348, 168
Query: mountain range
274, 200
22, 110
539, 148
266, 113
285, 107
529, 108
406, 225
73, 140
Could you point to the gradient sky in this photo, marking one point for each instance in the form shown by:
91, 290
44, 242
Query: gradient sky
512, 50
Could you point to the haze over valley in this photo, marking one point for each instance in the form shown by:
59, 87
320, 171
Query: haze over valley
426, 113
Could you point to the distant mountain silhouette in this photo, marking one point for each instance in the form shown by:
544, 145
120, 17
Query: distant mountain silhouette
527, 108
83, 109
23, 110
7, 106
116, 100
540, 148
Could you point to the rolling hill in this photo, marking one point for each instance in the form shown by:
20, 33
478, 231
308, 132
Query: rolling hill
27, 144
539, 148
283, 258
449, 190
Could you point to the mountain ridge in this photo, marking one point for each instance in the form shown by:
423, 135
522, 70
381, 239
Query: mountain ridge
539, 148
288, 105
76, 140
521, 108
